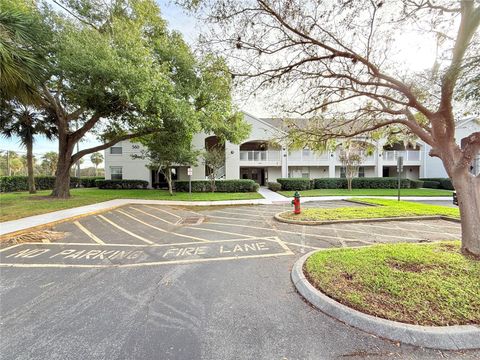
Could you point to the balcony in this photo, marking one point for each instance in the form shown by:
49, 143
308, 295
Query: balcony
409, 156
307, 158
368, 160
260, 158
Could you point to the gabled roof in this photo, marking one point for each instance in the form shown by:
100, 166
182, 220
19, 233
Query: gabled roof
271, 125
466, 120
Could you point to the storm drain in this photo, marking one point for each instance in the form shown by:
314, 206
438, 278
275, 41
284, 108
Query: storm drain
191, 220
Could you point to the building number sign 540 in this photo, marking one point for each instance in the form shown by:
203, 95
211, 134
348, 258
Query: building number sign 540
135, 147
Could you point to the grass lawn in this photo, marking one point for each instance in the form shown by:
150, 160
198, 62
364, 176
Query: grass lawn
386, 208
20, 204
424, 284
370, 192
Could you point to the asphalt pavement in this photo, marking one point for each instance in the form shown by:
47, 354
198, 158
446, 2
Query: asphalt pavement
150, 282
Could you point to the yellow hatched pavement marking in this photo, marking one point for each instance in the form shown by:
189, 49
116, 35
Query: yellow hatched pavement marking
219, 231
156, 217
88, 233
160, 229
165, 211
125, 230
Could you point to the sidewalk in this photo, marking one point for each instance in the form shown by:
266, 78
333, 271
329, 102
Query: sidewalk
271, 195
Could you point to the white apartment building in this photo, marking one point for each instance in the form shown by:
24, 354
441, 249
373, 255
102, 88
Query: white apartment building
260, 159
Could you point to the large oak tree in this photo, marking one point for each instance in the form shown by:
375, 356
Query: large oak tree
117, 72
338, 63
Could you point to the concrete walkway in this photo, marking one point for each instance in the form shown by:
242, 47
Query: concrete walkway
31, 222
271, 195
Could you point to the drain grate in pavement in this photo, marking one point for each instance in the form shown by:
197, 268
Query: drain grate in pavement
191, 220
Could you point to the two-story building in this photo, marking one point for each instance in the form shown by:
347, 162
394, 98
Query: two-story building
263, 159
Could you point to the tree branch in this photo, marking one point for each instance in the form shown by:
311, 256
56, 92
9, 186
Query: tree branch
77, 156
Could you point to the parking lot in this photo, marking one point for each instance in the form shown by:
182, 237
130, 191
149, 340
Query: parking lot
164, 282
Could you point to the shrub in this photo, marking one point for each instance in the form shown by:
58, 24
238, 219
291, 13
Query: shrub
121, 184
330, 183
242, 185
20, 183
444, 183
294, 183
274, 186
416, 184
361, 183
89, 182
431, 184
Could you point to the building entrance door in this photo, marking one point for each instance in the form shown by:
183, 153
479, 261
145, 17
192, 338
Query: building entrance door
255, 174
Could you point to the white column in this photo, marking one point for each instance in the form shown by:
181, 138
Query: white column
284, 160
379, 159
331, 164
198, 143
232, 161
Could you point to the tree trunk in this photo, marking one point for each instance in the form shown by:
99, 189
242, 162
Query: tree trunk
349, 184
169, 181
467, 187
31, 179
61, 188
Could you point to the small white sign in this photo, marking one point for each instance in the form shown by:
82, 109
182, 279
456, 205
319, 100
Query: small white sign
190, 171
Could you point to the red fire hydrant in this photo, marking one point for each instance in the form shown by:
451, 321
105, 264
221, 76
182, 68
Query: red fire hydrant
296, 203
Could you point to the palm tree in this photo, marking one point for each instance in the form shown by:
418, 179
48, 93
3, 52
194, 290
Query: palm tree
96, 159
22, 121
21, 66
49, 162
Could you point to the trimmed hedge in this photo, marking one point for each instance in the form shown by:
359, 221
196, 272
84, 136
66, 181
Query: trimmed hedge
431, 184
416, 184
443, 183
20, 183
121, 184
295, 183
242, 185
89, 182
361, 183
274, 186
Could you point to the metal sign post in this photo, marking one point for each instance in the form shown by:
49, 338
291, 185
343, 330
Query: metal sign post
399, 172
190, 172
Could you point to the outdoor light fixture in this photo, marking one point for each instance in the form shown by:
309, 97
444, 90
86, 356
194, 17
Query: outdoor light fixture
232, 152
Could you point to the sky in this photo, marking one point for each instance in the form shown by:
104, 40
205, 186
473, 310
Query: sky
177, 19
417, 57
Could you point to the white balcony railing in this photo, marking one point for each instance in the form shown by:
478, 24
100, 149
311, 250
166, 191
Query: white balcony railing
307, 157
366, 159
260, 155
408, 155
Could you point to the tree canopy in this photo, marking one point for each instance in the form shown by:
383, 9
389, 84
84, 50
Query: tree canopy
115, 70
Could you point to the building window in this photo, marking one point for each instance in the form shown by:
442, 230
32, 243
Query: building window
305, 173
361, 171
116, 173
116, 150
342, 172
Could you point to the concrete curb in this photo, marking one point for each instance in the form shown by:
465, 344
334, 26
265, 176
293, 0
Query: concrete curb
458, 337
354, 221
